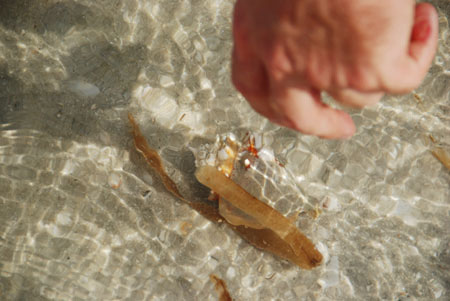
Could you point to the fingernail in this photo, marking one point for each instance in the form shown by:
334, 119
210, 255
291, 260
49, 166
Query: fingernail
421, 31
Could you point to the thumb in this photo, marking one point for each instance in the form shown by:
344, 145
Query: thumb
302, 109
424, 35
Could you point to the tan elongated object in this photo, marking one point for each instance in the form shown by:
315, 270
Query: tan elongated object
237, 217
261, 212
442, 156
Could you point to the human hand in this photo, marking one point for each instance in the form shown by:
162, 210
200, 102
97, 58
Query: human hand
287, 52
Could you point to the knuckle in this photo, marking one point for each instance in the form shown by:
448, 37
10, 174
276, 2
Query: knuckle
277, 61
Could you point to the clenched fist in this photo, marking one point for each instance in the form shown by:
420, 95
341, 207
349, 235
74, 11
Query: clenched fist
287, 51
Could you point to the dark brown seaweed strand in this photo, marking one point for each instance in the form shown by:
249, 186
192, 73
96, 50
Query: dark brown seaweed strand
152, 158
221, 288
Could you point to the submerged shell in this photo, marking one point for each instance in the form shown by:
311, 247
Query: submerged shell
255, 221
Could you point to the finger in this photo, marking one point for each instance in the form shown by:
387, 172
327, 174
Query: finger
302, 110
249, 77
353, 98
248, 74
424, 35
412, 68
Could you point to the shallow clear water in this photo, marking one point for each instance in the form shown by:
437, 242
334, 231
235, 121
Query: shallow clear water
82, 218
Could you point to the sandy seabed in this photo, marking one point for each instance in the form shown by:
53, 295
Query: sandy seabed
82, 218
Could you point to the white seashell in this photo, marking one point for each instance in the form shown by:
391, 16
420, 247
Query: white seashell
82, 88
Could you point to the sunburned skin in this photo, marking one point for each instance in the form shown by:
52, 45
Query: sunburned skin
285, 53
255, 221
